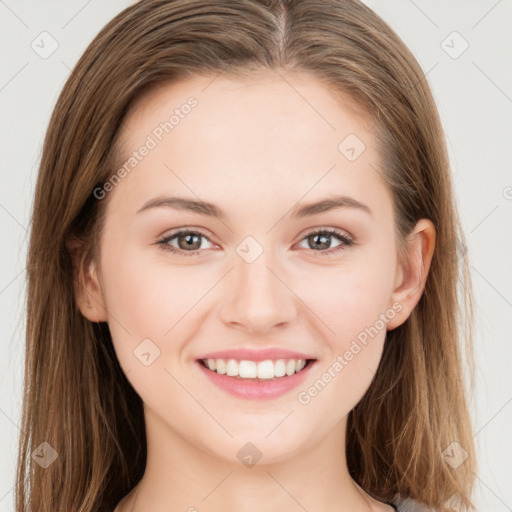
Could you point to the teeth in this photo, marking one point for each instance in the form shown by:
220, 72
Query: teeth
244, 369
247, 369
231, 368
220, 365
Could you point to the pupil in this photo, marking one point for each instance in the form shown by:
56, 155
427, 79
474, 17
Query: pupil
321, 236
189, 242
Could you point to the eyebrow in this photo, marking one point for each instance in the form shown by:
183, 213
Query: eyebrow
211, 210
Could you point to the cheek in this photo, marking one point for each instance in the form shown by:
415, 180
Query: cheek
358, 306
147, 299
354, 305
350, 298
355, 313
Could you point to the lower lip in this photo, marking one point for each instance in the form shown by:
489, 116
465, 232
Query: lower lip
256, 389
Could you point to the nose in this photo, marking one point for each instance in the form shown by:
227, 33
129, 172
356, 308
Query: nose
258, 298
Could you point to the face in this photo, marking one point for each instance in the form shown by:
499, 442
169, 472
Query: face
253, 270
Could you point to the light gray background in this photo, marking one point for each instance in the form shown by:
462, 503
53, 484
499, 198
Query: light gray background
474, 97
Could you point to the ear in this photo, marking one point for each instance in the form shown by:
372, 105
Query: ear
86, 284
412, 274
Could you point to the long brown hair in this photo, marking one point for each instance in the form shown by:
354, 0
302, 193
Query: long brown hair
76, 396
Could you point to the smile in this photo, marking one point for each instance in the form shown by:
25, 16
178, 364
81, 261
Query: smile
256, 370
256, 379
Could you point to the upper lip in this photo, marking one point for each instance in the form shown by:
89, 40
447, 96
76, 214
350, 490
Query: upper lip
256, 354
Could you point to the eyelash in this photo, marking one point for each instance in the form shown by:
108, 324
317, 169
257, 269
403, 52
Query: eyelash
342, 237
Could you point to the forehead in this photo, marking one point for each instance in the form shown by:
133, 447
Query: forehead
266, 107
284, 133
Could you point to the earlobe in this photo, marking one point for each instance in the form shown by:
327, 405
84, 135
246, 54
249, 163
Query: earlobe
411, 276
88, 293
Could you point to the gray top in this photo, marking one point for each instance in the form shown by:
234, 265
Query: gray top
409, 505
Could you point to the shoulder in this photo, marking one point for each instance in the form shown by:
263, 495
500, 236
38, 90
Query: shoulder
410, 505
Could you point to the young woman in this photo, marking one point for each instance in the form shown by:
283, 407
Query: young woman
243, 273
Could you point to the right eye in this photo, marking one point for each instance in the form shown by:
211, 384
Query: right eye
187, 239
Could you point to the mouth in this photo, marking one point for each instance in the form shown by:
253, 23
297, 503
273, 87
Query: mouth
256, 371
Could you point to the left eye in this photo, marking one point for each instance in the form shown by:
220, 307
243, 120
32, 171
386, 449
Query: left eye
319, 239
192, 240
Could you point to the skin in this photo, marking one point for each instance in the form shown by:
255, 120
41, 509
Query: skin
256, 148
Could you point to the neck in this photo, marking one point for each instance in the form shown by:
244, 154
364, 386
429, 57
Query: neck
180, 476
